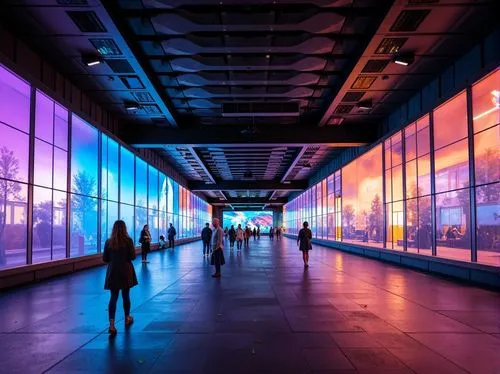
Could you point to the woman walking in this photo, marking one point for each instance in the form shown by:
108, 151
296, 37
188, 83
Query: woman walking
304, 243
232, 237
118, 253
239, 237
145, 241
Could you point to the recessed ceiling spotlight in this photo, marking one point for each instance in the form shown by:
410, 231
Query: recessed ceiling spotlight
268, 56
403, 60
365, 105
92, 60
131, 106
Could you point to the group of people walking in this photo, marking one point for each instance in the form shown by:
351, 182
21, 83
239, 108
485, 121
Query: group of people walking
119, 252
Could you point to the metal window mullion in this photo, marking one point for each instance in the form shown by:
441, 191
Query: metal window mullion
433, 183
31, 177
52, 189
472, 177
384, 201
403, 181
99, 190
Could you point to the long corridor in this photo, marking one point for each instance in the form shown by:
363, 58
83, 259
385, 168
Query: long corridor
267, 314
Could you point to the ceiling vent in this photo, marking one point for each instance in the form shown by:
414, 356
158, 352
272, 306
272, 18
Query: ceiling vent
375, 66
72, 2
389, 46
363, 82
260, 109
106, 46
343, 109
151, 109
86, 21
132, 82
142, 97
409, 20
120, 66
352, 96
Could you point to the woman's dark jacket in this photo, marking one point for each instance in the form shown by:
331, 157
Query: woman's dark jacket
232, 234
121, 273
145, 240
304, 239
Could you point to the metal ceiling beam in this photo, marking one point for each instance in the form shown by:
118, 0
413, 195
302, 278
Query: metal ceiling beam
352, 135
201, 163
248, 200
295, 161
239, 185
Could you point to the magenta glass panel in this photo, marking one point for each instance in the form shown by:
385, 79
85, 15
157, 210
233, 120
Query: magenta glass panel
410, 142
411, 179
453, 225
424, 175
488, 224
487, 155
42, 224
14, 153
14, 101
423, 141
60, 169
13, 218
61, 127
44, 118
59, 222
43, 164
450, 121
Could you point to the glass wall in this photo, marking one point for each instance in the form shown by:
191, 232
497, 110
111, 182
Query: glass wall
407, 195
78, 184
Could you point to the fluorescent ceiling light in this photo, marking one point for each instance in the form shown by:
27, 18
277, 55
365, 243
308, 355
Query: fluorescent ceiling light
403, 60
92, 60
365, 105
130, 105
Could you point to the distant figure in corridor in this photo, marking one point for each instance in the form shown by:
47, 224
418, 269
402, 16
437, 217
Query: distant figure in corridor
145, 240
258, 232
278, 233
171, 233
254, 233
162, 244
271, 233
304, 242
218, 246
118, 253
232, 237
239, 237
247, 235
206, 237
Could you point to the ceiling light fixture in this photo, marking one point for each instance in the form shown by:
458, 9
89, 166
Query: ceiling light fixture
131, 106
92, 60
307, 165
403, 60
365, 105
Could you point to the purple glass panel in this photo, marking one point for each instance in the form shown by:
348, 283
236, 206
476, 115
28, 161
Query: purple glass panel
14, 101
44, 118
59, 223
42, 224
60, 169
43, 164
61, 128
14, 153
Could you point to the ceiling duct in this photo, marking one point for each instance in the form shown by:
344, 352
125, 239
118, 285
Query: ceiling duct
290, 109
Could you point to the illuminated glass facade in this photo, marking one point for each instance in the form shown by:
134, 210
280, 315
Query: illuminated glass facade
432, 188
79, 183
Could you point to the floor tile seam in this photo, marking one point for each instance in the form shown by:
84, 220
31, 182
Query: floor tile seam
72, 352
383, 348
461, 322
382, 288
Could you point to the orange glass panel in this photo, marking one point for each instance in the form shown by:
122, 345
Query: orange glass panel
450, 121
486, 102
451, 167
487, 156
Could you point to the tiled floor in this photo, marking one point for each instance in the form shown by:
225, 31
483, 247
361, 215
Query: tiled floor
345, 314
